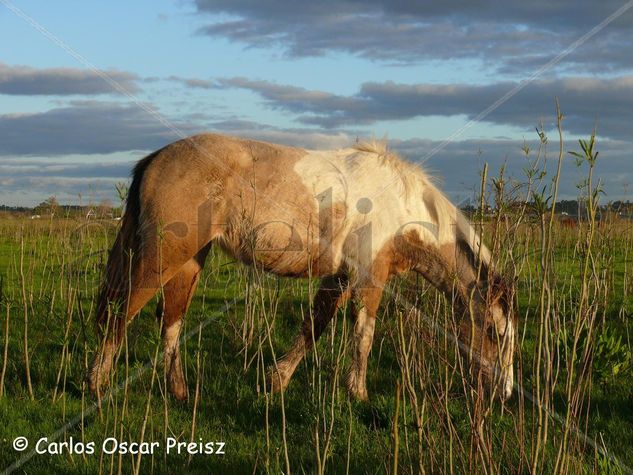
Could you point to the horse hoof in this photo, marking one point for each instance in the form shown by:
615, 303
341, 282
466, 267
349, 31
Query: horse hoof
178, 386
180, 396
179, 393
359, 395
356, 391
95, 386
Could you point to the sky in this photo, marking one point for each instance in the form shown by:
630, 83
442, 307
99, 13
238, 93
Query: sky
88, 88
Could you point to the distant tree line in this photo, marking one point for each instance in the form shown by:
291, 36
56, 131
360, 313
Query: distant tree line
572, 208
51, 207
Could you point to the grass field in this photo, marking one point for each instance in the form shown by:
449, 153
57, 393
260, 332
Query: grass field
572, 411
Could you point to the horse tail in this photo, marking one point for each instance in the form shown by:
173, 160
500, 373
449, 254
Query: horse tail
123, 255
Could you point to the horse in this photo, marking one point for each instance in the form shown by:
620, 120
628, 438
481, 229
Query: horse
298, 213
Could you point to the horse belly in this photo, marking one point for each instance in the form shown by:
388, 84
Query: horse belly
283, 249
299, 256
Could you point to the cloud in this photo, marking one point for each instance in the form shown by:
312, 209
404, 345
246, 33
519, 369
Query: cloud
30, 180
88, 169
459, 164
85, 127
585, 101
29, 191
404, 31
24, 80
94, 127
193, 82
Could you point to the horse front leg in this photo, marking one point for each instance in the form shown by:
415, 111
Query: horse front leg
365, 305
332, 294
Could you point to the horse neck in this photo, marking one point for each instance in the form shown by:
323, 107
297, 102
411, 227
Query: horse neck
455, 266
446, 250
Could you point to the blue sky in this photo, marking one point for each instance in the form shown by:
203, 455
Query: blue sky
311, 74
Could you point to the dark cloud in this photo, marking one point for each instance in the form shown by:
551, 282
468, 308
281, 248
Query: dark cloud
585, 101
85, 127
395, 31
458, 165
23, 80
91, 127
605, 53
296, 99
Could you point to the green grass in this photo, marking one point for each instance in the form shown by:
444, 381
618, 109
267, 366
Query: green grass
62, 261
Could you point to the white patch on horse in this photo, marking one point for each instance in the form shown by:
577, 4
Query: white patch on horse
355, 175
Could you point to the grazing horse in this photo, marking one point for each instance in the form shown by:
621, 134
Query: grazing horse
354, 217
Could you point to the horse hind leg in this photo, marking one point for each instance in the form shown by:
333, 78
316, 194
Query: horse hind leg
172, 307
121, 299
115, 309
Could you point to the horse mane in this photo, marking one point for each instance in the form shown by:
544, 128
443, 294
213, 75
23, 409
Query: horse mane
419, 185
378, 147
413, 177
